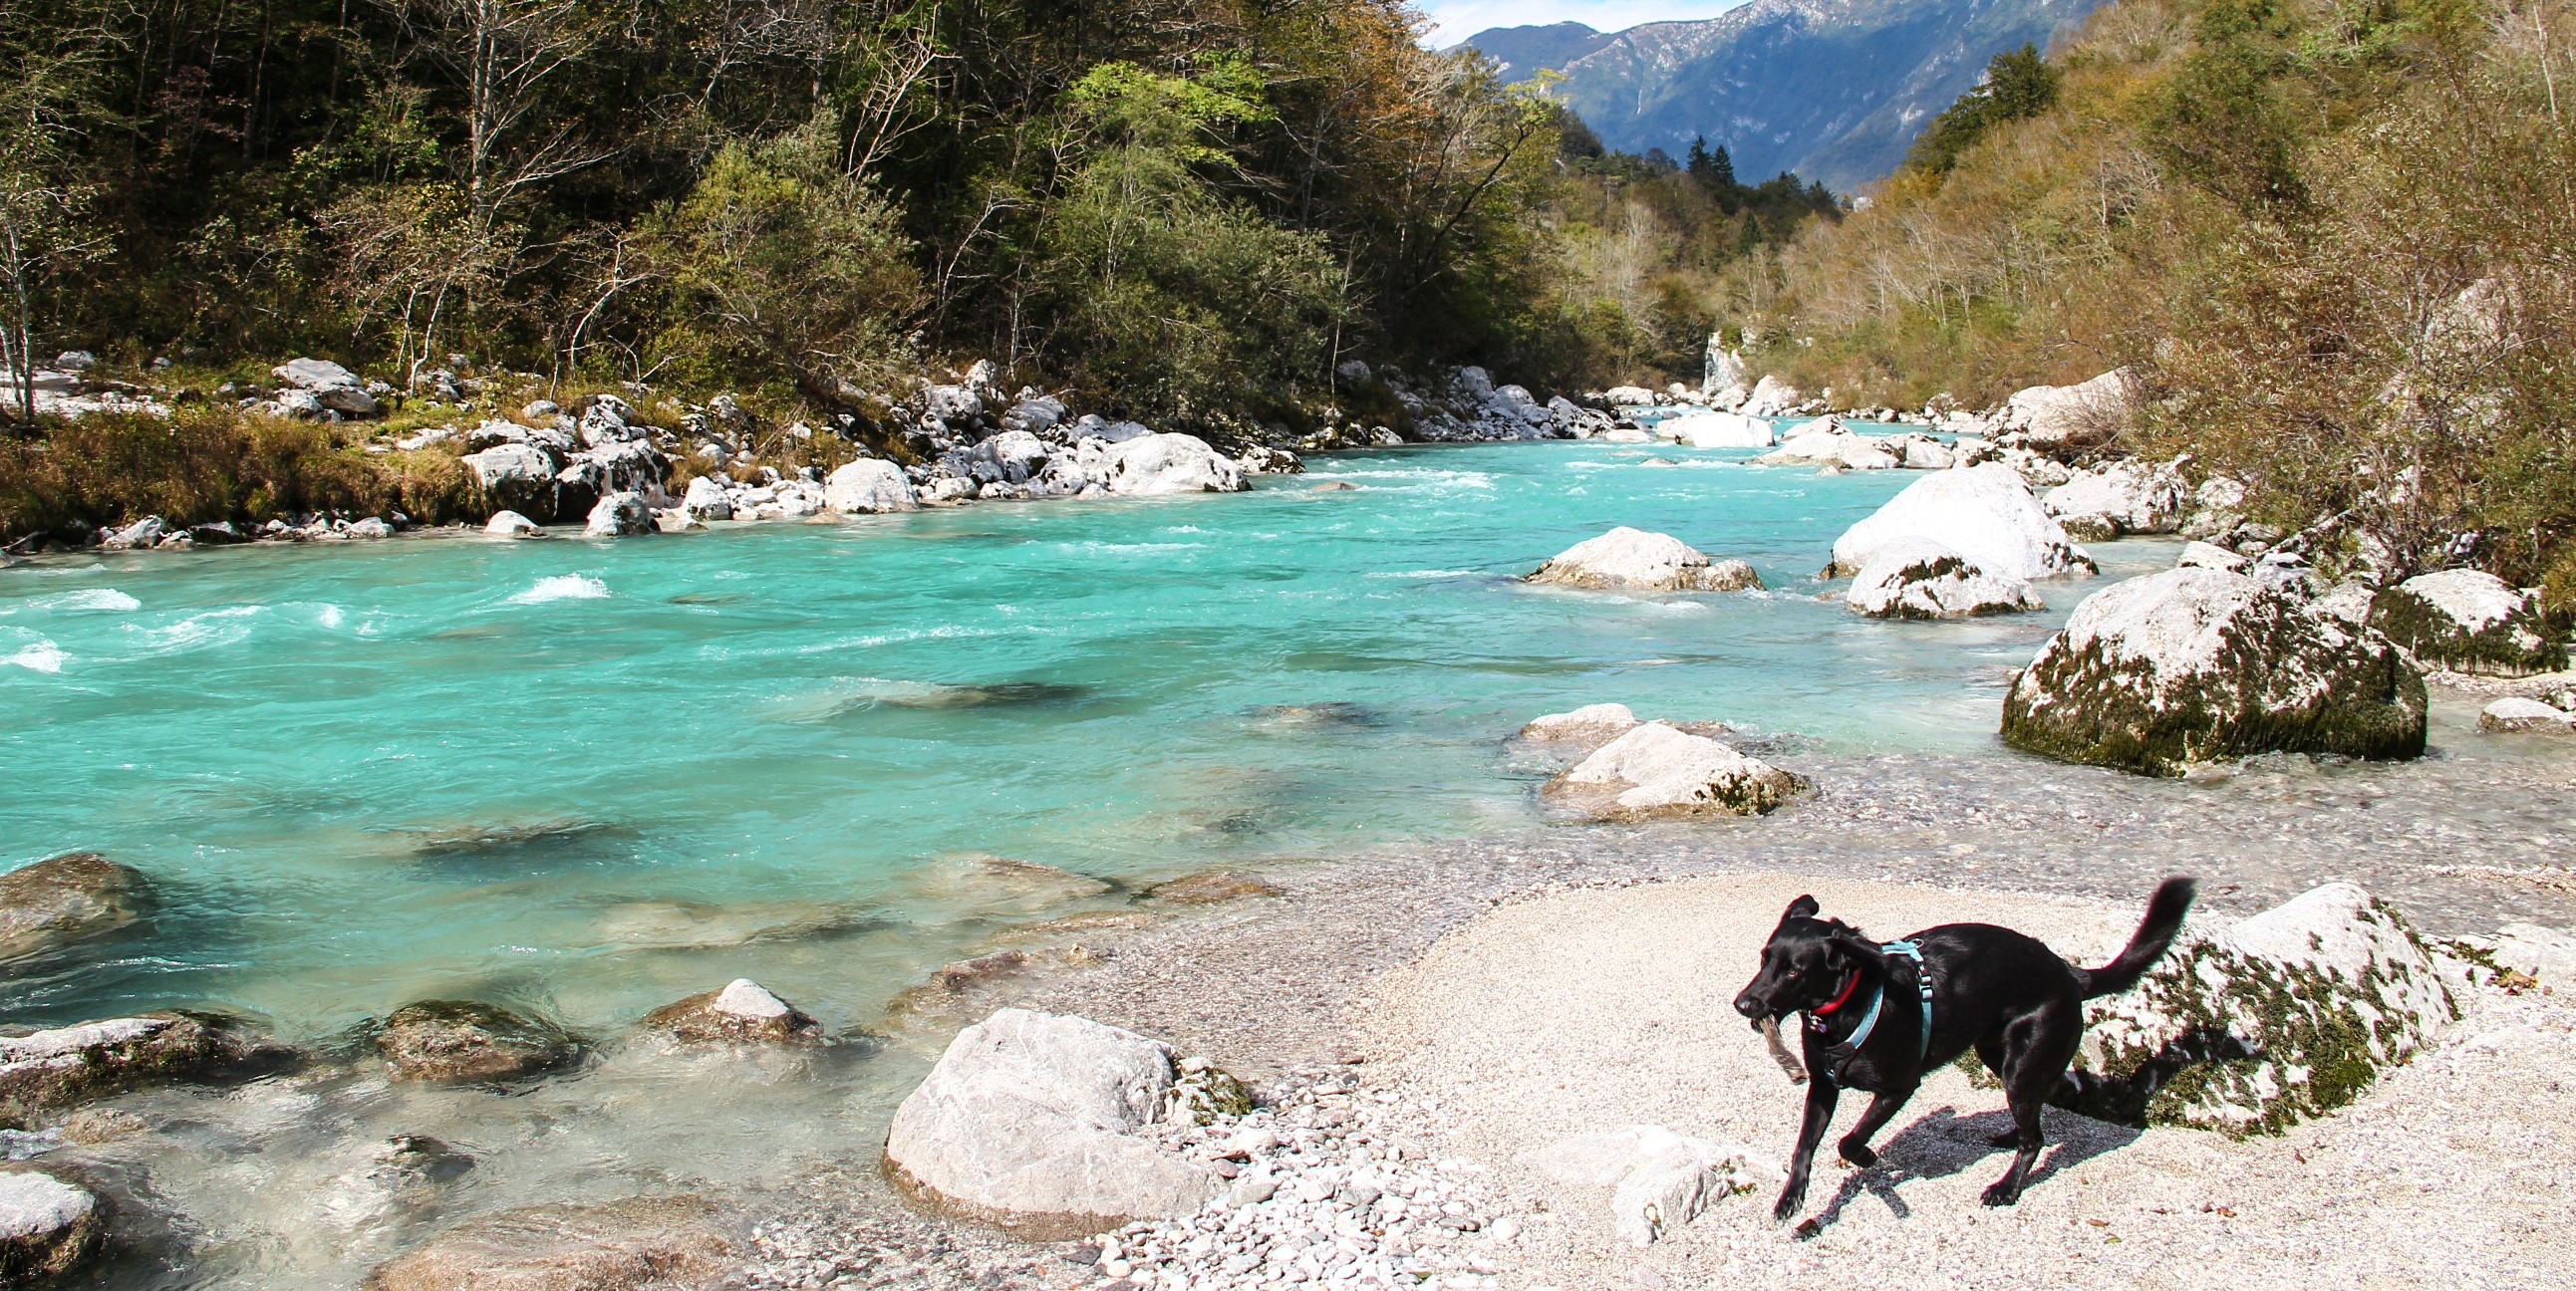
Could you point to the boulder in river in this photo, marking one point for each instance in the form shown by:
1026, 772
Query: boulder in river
1830, 443
1657, 770
744, 1012
47, 1226
61, 902
1986, 513
1917, 578
1212, 887
510, 524
2513, 715
1031, 1121
1592, 725
1633, 559
2468, 620
465, 1041
2122, 497
1152, 465
867, 486
621, 515
52, 1070
2282, 1016
705, 499
2158, 673
1718, 430
637, 1244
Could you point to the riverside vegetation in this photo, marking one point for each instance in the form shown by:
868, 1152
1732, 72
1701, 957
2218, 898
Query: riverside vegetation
1191, 214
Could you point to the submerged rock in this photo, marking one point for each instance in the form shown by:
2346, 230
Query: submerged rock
47, 1226
1659, 771
2286, 1015
1213, 887
744, 1012
1031, 1121
1986, 513
2468, 620
2158, 673
49, 1071
458, 1041
1917, 578
642, 1242
57, 903
1626, 558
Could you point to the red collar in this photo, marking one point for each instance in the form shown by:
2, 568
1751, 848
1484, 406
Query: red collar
1839, 1000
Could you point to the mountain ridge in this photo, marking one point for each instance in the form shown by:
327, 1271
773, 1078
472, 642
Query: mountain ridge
1833, 90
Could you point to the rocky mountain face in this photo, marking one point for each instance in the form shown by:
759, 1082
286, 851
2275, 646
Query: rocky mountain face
1831, 89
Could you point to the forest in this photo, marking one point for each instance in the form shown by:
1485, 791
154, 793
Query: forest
1181, 209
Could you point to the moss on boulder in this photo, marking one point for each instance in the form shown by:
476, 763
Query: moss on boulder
49, 1071
57, 903
2469, 621
2159, 673
453, 1041
2283, 1016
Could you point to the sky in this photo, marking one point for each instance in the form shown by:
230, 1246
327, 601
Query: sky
1458, 19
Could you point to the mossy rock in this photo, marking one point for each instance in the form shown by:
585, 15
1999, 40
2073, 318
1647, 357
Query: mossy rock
57, 903
2469, 622
51, 1071
2189, 666
2284, 1016
467, 1041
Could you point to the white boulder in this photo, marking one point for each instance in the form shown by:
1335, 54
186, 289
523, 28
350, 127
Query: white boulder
1985, 513
869, 485
2159, 673
1626, 558
332, 386
2470, 621
2285, 1015
510, 524
2545, 955
1828, 442
1031, 1121
46, 1225
2203, 555
1917, 578
1772, 397
1152, 465
2122, 497
1657, 770
1661, 1180
2084, 413
705, 499
1718, 430
1628, 397
620, 515
2513, 715
1594, 724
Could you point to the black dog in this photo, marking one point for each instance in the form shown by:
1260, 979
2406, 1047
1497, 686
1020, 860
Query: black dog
1878, 1018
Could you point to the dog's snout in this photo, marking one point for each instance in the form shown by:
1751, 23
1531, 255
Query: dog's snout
1750, 1007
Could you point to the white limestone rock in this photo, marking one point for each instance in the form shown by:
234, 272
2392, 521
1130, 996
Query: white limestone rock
2286, 1015
706, 499
1628, 397
1718, 430
1633, 559
47, 1226
1031, 1121
510, 524
1828, 442
517, 477
1657, 770
2470, 621
2514, 715
2086, 413
1773, 397
1917, 578
2545, 955
332, 386
1661, 1180
2163, 672
743, 1012
1592, 725
2122, 497
1154, 465
621, 515
2202, 555
1986, 513
867, 486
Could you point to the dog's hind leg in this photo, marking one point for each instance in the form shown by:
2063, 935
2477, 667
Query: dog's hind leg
1990, 1051
1820, 1114
2036, 1051
1855, 1145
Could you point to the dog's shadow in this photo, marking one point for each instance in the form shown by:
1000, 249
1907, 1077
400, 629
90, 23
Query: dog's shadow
1943, 1143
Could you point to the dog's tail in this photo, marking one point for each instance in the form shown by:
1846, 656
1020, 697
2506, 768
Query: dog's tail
2155, 934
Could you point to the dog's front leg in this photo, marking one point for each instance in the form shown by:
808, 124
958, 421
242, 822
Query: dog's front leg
1820, 1114
1855, 1145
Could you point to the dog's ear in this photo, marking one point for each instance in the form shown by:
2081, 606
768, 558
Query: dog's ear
1802, 908
1850, 945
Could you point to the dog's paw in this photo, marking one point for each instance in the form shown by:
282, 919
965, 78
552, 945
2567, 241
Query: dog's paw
1858, 1154
2001, 1193
1789, 1205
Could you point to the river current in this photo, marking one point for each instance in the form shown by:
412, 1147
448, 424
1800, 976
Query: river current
589, 778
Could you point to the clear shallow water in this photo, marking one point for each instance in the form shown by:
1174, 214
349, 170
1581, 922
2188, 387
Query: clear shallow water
443, 766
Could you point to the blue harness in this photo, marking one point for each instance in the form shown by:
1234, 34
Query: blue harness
1850, 1046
